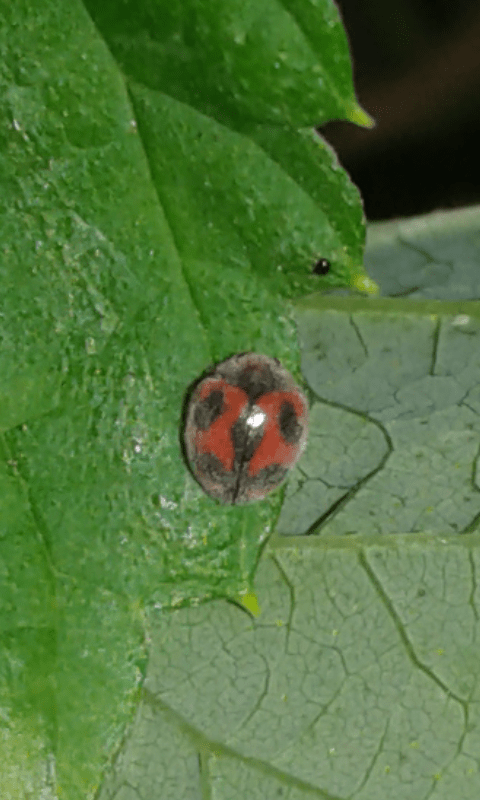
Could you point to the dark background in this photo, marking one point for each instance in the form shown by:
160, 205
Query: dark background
417, 72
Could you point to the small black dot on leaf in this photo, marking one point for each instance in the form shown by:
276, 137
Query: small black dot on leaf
321, 267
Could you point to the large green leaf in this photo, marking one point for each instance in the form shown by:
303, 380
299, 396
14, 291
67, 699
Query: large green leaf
161, 202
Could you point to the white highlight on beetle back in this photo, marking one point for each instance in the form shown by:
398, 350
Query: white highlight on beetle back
256, 418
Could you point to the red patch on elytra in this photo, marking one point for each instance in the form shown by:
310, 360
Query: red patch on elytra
217, 439
273, 449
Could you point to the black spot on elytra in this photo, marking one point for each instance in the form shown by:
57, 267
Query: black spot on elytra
256, 380
216, 481
260, 484
288, 423
208, 410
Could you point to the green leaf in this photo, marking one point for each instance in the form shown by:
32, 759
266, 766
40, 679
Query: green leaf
161, 204
286, 64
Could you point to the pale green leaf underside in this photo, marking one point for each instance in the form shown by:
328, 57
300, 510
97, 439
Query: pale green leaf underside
395, 440
360, 679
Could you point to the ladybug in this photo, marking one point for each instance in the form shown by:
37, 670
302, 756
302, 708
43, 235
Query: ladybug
245, 427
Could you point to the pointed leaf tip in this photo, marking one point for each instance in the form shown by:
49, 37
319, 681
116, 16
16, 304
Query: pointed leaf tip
358, 116
249, 601
362, 283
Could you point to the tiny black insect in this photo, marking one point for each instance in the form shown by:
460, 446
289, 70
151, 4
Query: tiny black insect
321, 267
